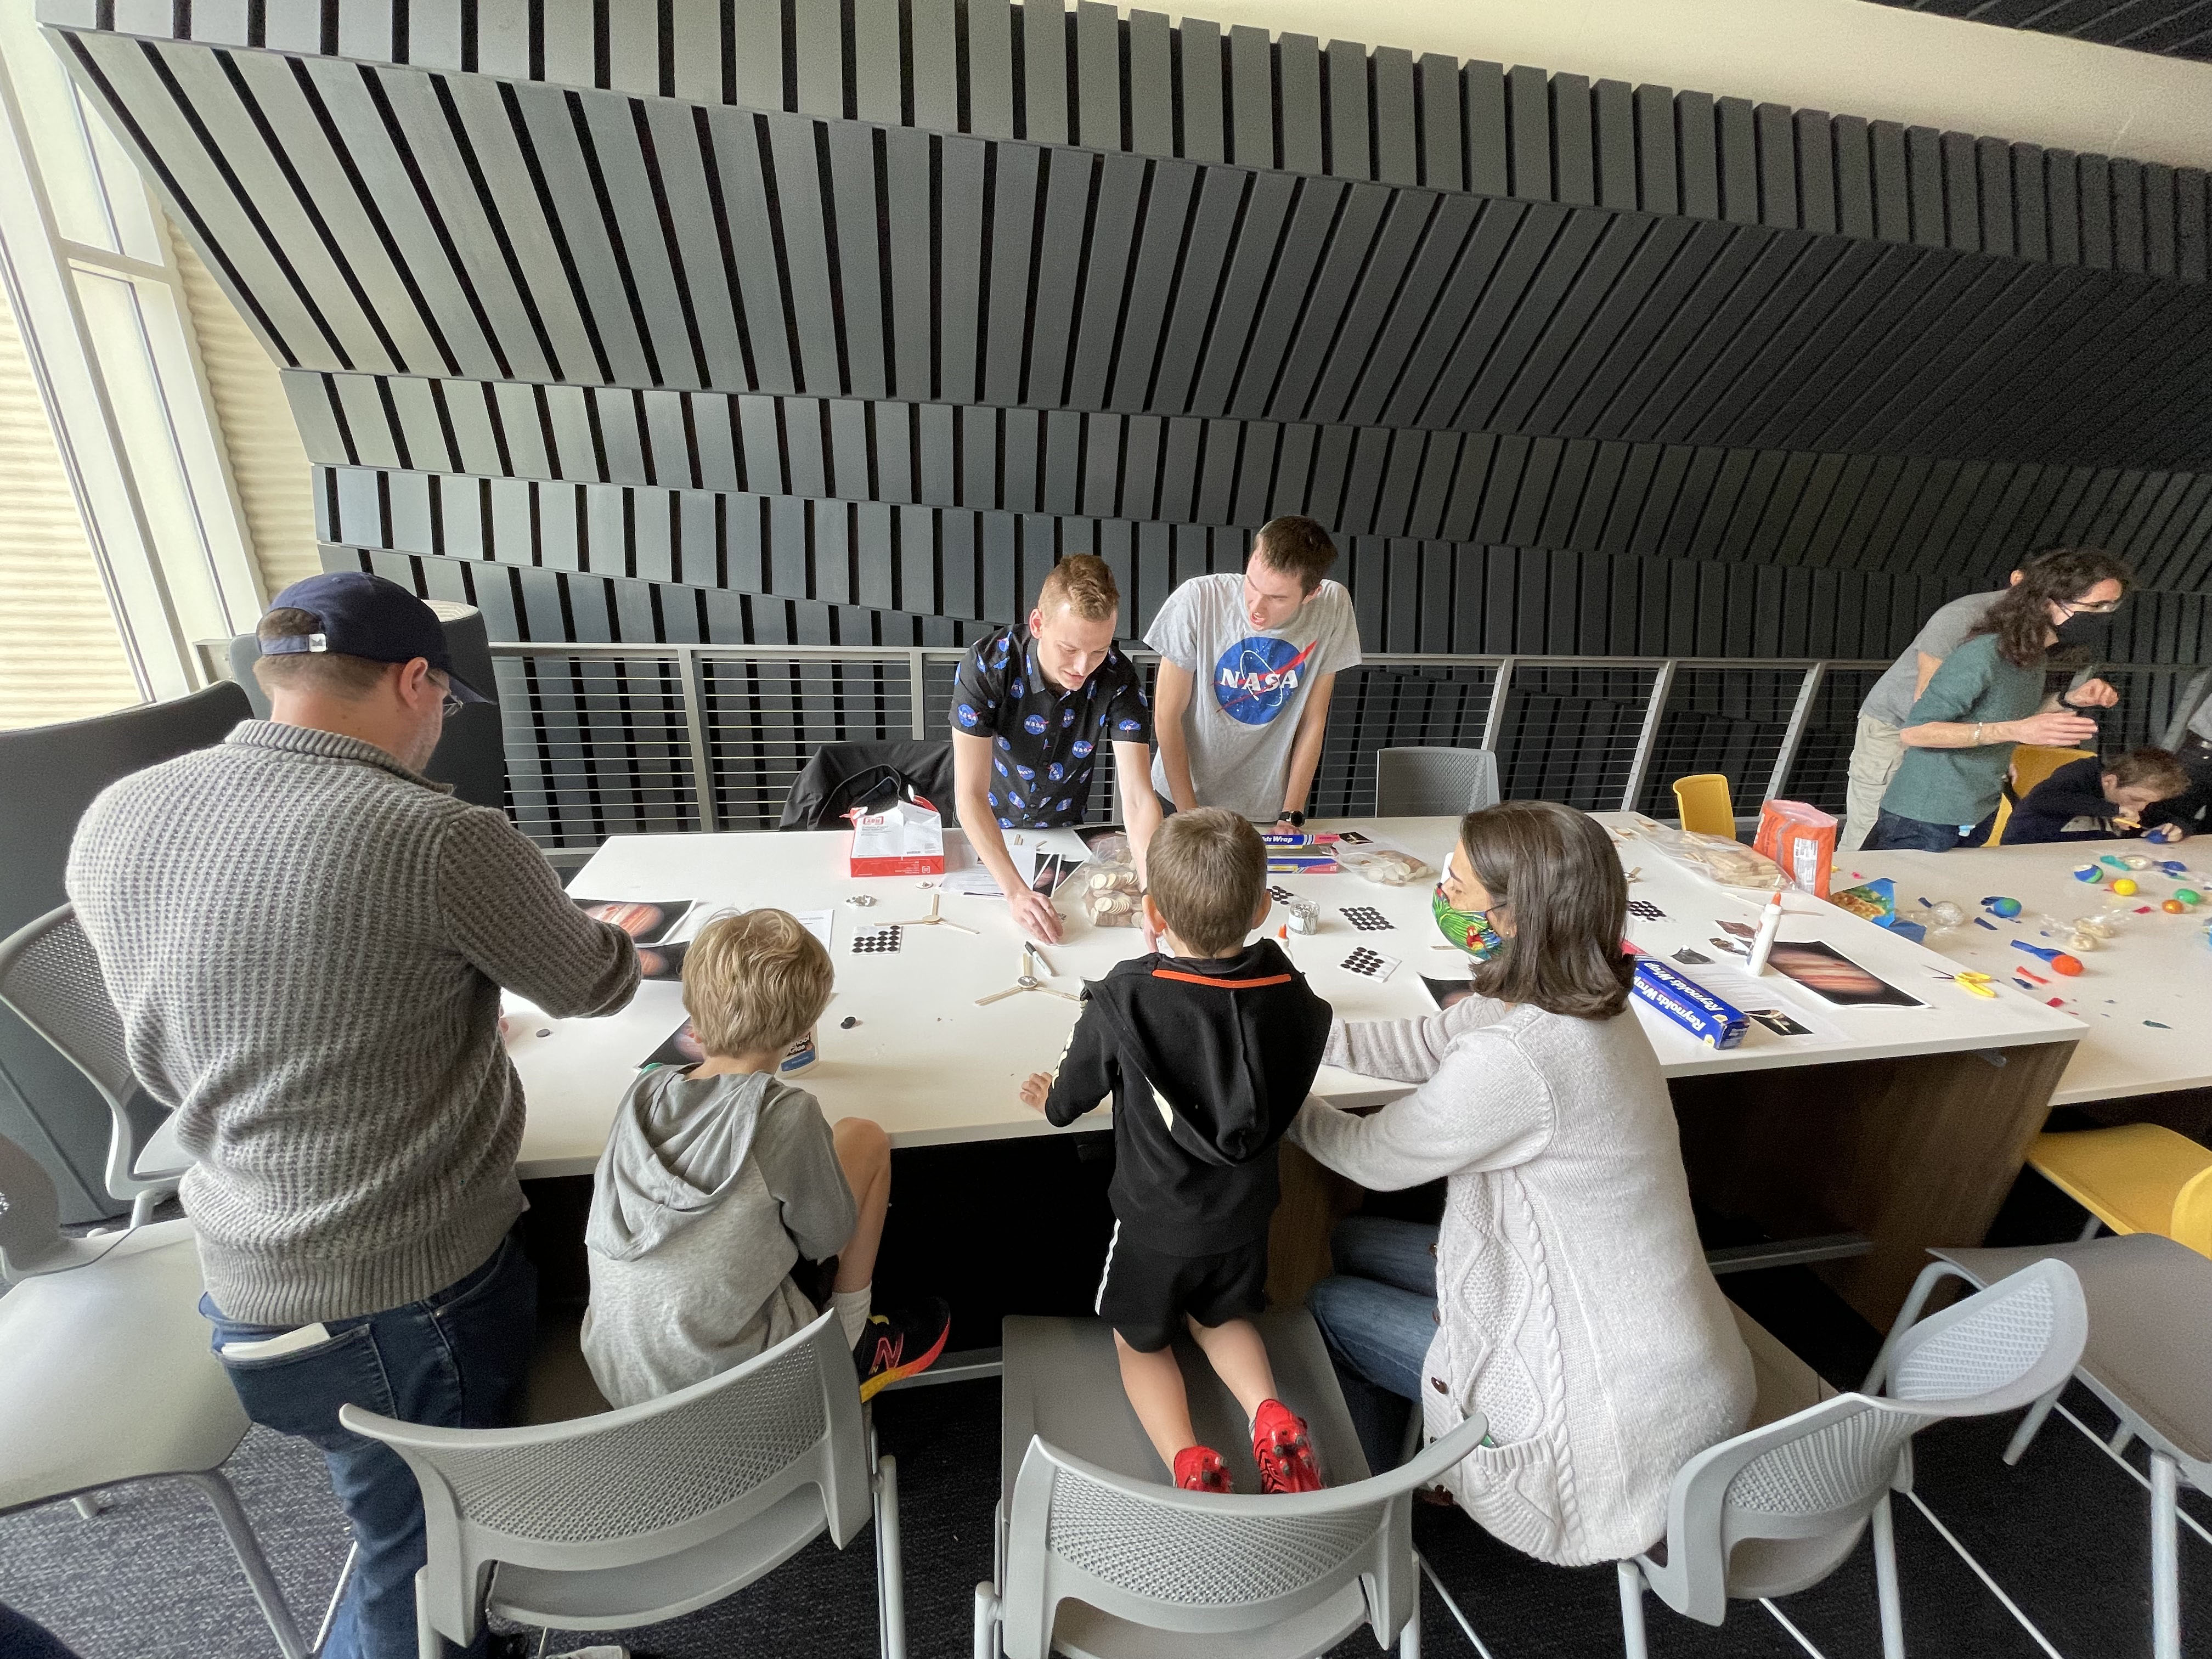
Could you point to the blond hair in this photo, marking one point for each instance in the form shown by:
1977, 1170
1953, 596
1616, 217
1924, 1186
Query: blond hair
1208, 871
754, 981
1085, 583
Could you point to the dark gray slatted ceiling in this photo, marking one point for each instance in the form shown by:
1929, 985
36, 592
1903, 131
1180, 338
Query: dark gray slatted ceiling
2172, 28
839, 322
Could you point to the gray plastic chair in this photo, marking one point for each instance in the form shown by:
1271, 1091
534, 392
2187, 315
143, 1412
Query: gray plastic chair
1777, 1509
1421, 783
641, 1514
2148, 1358
1096, 1555
50, 977
106, 1376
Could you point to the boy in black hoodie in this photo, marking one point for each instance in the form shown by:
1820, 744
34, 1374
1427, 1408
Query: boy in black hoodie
1208, 1048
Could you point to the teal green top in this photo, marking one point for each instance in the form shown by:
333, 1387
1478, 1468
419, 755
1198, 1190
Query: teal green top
1963, 786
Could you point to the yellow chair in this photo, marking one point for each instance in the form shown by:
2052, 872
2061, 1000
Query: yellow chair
2030, 766
2134, 1178
1706, 806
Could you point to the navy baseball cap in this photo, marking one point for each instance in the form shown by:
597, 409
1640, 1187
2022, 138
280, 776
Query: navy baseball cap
367, 617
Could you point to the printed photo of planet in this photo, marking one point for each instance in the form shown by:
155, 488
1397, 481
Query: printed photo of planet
645, 920
682, 1049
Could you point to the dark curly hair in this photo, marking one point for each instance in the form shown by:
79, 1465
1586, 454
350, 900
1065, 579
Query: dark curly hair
2021, 618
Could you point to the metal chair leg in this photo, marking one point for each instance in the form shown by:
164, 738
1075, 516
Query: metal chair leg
2165, 1564
2031, 1425
87, 1505
890, 1570
1632, 1611
986, 1622
271, 1599
1409, 1639
1886, 1591
338, 1599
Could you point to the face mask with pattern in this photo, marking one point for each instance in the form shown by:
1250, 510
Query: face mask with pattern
1469, 930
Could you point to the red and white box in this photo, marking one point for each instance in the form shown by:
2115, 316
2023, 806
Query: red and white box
904, 839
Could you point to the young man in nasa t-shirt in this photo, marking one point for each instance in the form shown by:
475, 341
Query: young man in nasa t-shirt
1247, 666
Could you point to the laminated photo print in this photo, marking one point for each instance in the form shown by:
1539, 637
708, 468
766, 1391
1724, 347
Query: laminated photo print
645, 920
681, 1048
1830, 975
661, 961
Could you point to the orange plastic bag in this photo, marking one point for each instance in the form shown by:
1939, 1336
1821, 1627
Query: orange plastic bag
1801, 839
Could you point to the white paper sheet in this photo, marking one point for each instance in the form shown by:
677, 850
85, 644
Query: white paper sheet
1732, 984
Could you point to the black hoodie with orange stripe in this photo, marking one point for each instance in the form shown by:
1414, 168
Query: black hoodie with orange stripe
1207, 1063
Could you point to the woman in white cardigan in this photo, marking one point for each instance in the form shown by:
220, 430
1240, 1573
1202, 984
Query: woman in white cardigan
1565, 1296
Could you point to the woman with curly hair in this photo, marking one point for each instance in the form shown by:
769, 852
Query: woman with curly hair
1988, 696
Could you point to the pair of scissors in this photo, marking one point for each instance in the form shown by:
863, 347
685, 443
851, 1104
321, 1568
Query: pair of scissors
1982, 985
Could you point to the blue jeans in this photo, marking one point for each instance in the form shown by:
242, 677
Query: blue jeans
1891, 834
1378, 1316
457, 1358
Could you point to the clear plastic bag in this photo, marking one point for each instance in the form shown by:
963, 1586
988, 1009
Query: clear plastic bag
1385, 866
1730, 863
1107, 886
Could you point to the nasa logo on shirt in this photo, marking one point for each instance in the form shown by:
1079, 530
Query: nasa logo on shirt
1034, 726
967, 716
1081, 750
1257, 675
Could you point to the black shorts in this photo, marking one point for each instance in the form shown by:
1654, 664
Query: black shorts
1144, 1294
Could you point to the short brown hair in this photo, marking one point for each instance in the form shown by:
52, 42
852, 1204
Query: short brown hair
2020, 616
1555, 871
1297, 547
754, 981
331, 672
2150, 768
1085, 583
1208, 871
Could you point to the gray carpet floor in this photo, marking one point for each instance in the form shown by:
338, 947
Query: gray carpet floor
2050, 1558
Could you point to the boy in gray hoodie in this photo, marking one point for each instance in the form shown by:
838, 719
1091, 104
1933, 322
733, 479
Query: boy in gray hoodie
717, 1179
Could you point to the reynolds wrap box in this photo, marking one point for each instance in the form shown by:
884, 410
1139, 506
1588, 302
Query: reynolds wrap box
1688, 1004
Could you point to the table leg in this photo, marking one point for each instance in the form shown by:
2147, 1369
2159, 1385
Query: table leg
1911, 1151
1314, 1200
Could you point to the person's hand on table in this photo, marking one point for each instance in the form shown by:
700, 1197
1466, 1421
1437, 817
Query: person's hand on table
2055, 728
1033, 914
1034, 1088
2092, 694
2166, 832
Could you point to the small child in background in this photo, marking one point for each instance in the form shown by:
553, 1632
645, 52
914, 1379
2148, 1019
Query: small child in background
716, 1180
2089, 800
1208, 1049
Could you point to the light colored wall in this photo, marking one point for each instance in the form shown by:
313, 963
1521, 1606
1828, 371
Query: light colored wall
1847, 56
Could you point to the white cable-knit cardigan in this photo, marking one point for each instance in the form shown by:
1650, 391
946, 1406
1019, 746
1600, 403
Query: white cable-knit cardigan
1574, 1308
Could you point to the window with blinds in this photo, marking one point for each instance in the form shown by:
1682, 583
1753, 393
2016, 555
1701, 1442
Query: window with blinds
61, 653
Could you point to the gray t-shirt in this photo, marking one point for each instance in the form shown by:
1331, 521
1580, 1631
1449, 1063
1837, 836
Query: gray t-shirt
1891, 700
1251, 690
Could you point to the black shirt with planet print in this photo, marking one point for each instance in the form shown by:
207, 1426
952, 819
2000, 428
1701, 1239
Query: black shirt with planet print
1044, 742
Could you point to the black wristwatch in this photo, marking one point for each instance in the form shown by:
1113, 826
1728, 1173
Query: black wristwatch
1296, 820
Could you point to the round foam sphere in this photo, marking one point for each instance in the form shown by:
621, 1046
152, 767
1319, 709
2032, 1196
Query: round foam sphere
2174, 907
2002, 907
2188, 896
2124, 887
2068, 965
2088, 872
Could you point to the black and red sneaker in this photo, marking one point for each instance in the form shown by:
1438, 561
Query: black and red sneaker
900, 1344
1283, 1449
1199, 1468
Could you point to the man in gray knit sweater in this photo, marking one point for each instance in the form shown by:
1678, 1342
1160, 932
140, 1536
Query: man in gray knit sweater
307, 940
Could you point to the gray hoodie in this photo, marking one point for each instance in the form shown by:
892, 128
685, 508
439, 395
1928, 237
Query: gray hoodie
709, 1191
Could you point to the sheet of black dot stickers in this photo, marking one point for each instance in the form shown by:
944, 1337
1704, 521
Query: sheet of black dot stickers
880, 942
1646, 909
1369, 965
1280, 895
1366, 918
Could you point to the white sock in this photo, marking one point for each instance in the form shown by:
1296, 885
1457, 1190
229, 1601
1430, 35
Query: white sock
852, 1308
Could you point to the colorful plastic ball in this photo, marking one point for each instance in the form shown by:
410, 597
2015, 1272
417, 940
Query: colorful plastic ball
2002, 907
2124, 888
2088, 872
2174, 907
2188, 896
2068, 965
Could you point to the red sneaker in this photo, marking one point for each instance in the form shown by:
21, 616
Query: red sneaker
1284, 1451
1199, 1468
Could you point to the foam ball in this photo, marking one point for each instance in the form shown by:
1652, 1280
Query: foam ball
2188, 896
2174, 907
2088, 872
2065, 965
2002, 907
2124, 888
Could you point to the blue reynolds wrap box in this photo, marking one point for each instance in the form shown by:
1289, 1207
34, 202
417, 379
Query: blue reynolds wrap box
1688, 1004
